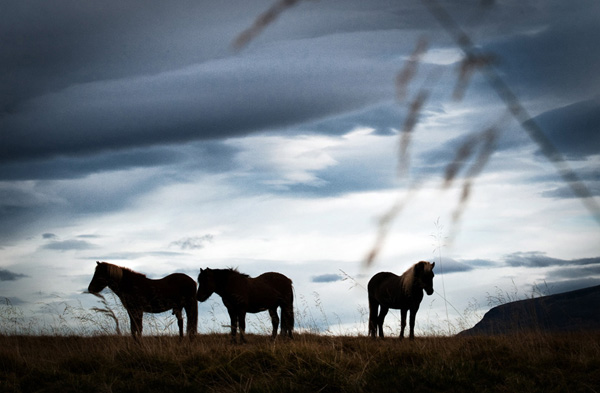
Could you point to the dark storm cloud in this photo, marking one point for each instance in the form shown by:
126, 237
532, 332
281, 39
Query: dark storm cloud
207, 156
574, 129
79, 166
540, 259
82, 78
7, 275
205, 102
86, 77
49, 46
559, 58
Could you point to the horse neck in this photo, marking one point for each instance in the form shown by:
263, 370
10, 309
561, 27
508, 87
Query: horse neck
124, 284
407, 281
226, 281
221, 278
116, 285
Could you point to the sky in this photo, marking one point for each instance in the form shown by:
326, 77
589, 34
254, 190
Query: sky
138, 133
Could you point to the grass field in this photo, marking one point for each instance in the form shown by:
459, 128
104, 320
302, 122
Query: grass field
311, 363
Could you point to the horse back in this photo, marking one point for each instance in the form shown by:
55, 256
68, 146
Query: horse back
268, 290
178, 284
172, 291
381, 280
386, 289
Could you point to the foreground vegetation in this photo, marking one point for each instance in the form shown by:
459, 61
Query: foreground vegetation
526, 363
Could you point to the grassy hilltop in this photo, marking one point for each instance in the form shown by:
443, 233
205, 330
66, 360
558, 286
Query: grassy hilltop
519, 363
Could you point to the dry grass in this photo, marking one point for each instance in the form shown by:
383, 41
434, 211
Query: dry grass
525, 363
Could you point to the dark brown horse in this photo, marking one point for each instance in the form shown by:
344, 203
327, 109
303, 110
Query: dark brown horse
403, 292
242, 294
140, 294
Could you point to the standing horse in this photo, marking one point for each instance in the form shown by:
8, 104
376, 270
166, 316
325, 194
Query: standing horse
403, 292
140, 294
243, 294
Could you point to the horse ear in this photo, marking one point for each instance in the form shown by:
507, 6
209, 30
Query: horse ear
433, 265
97, 262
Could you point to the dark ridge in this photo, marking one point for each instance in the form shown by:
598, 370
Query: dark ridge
565, 312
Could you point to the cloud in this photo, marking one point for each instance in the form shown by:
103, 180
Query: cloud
67, 245
449, 265
559, 58
7, 275
553, 287
205, 156
49, 236
214, 100
540, 259
574, 129
576, 272
193, 243
324, 278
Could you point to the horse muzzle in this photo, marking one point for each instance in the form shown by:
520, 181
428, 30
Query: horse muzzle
95, 288
429, 291
202, 297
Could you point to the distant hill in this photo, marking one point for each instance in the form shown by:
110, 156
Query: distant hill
570, 311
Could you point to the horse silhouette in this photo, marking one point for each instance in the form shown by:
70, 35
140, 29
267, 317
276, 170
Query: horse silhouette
388, 290
243, 294
140, 294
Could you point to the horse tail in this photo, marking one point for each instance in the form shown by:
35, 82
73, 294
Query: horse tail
373, 305
287, 312
191, 311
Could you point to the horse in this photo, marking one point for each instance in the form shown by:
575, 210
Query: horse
243, 294
140, 294
404, 292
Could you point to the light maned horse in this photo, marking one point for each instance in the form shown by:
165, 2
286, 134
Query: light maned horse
140, 294
243, 294
388, 290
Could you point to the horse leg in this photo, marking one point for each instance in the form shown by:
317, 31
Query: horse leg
373, 309
402, 321
233, 318
275, 321
382, 314
413, 316
242, 320
177, 313
135, 322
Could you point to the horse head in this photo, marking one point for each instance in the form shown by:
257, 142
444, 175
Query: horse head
100, 279
206, 284
424, 276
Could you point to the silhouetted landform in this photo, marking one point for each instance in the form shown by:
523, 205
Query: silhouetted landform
565, 312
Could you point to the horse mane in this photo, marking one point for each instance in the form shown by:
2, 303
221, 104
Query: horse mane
408, 277
235, 271
116, 272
